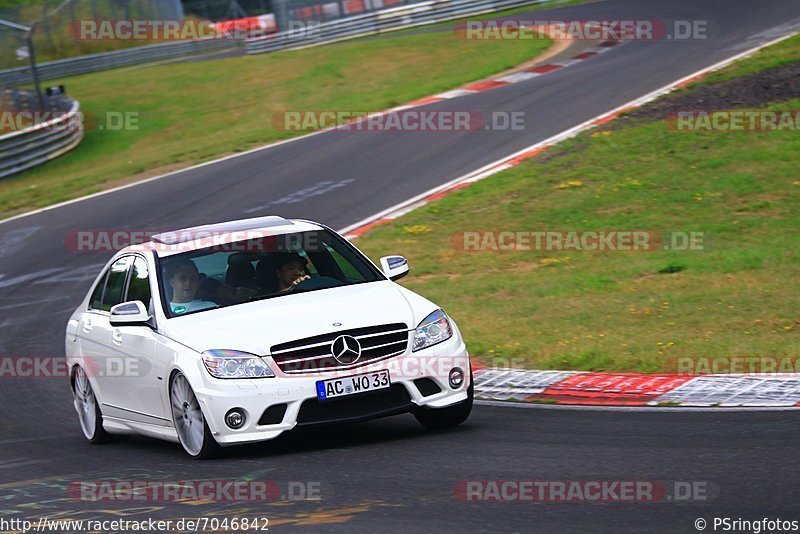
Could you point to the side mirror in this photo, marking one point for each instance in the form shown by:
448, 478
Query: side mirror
131, 313
394, 267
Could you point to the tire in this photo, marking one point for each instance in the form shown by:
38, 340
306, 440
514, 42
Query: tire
190, 424
433, 418
89, 415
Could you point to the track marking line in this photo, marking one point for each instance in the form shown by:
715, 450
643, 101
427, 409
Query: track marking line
648, 409
473, 87
507, 162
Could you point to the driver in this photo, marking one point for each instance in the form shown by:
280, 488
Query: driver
289, 270
185, 280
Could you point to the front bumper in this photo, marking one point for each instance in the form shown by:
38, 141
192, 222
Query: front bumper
254, 397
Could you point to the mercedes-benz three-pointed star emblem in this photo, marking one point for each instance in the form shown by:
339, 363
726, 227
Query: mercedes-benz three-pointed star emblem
346, 350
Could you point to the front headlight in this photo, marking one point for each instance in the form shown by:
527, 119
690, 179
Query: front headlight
434, 329
235, 364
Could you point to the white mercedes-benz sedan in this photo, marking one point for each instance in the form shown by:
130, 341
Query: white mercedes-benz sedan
236, 332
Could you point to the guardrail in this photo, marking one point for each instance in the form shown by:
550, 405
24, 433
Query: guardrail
392, 19
109, 60
40, 143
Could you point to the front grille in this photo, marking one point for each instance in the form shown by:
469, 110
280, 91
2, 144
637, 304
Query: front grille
313, 354
360, 407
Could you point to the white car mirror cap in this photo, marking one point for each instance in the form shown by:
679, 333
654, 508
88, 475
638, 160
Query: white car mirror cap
394, 267
129, 314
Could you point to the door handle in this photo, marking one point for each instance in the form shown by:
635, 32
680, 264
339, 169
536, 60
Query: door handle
116, 336
87, 325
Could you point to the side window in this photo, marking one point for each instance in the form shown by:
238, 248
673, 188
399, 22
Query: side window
310, 267
115, 283
212, 265
347, 268
139, 285
97, 295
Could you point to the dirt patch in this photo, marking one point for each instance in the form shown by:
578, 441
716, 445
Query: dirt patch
751, 91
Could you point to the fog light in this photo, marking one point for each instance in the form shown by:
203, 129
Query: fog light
235, 418
456, 377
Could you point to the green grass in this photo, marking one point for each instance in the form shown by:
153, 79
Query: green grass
622, 311
191, 112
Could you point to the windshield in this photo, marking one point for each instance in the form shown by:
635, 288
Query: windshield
267, 267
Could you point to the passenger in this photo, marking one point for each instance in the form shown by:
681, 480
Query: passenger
185, 280
289, 270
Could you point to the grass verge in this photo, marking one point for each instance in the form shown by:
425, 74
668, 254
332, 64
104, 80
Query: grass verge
624, 311
770, 57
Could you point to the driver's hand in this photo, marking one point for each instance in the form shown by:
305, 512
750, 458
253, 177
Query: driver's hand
301, 279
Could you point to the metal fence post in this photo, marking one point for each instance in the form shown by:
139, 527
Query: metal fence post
34, 73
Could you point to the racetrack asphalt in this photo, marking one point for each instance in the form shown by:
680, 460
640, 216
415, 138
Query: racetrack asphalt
388, 474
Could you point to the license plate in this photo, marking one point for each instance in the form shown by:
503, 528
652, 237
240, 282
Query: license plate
353, 385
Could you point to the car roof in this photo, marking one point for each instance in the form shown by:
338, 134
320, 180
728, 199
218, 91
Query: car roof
199, 237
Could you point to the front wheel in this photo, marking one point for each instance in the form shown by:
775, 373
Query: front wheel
87, 407
191, 426
449, 416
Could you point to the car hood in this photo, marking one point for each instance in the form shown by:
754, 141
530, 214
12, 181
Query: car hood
256, 326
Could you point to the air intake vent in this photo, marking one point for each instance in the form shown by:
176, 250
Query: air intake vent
427, 387
273, 415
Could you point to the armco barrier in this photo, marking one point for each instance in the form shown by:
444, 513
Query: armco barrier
38, 144
386, 20
73, 66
